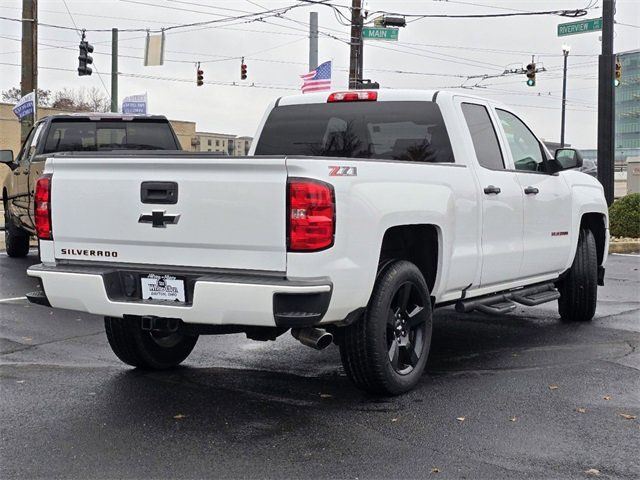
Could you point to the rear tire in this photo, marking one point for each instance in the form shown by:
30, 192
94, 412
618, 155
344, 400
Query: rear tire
144, 349
16, 240
579, 288
386, 350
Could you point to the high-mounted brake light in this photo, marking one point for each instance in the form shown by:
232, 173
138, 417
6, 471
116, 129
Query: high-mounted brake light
311, 221
43, 208
353, 96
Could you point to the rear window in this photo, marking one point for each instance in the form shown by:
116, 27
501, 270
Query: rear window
87, 136
409, 131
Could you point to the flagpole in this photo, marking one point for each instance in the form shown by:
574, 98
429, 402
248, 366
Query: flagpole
35, 107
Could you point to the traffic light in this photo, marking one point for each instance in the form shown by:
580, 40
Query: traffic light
84, 59
394, 22
199, 76
243, 70
531, 74
366, 84
616, 82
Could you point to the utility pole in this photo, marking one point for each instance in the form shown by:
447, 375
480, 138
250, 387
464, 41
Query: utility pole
114, 70
29, 71
606, 106
355, 59
313, 40
565, 52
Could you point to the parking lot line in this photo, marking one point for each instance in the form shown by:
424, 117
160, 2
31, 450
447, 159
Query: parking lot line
627, 254
3, 300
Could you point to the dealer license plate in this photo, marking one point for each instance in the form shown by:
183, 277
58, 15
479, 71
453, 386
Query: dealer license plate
162, 287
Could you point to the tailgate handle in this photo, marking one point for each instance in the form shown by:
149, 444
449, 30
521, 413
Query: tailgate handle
164, 193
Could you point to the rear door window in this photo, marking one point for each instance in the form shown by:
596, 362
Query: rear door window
483, 134
87, 136
404, 131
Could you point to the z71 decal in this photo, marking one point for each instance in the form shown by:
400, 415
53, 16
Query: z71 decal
343, 171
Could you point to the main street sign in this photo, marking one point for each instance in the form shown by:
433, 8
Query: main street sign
583, 26
375, 33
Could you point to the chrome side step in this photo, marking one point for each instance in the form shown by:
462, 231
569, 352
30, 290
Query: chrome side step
501, 303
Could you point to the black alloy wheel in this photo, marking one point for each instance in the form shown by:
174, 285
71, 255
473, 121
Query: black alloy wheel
406, 328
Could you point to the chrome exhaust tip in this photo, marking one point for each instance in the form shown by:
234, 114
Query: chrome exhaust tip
312, 337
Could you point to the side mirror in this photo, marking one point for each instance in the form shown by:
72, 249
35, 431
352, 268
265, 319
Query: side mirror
6, 156
568, 158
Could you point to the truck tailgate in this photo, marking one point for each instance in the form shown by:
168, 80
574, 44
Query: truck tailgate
231, 211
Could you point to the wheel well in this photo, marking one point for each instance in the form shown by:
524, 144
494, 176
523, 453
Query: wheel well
417, 244
595, 223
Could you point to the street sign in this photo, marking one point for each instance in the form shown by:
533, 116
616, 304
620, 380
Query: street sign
375, 33
583, 26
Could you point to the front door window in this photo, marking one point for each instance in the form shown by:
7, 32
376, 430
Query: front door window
524, 146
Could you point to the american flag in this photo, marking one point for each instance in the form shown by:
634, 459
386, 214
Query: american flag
318, 79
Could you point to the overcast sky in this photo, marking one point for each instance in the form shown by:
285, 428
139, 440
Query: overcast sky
276, 53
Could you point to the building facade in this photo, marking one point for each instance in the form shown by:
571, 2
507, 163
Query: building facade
627, 119
213, 142
223, 143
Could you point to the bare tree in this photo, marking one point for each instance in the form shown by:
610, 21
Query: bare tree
14, 94
98, 101
74, 100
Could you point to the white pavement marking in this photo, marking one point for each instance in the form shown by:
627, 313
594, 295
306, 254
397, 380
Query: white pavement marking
3, 300
626, 254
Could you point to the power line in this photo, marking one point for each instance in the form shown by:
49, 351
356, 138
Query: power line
628, 25
176, 79
248, 18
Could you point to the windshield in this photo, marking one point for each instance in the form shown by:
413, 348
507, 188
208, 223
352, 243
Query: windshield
88, 136
408, 131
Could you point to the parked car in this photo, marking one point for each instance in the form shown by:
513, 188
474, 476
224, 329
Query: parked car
590, 167
356, 215
78, 132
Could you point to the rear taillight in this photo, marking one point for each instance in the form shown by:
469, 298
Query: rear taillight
311, 215
43, 208
353, 96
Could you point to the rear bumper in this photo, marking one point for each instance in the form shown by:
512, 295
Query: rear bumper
213, 298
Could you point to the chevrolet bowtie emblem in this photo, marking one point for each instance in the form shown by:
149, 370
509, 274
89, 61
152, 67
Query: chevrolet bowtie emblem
159, 218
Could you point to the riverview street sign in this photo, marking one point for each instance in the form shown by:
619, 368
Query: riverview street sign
376, 33
583, 26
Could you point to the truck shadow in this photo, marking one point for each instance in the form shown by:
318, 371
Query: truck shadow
467, 345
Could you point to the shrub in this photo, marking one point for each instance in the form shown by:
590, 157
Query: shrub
624, 216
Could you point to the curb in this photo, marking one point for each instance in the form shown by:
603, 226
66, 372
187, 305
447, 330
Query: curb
624, 247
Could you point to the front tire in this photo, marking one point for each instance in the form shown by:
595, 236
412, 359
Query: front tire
16, 240
386, 350
579, 288
144, 349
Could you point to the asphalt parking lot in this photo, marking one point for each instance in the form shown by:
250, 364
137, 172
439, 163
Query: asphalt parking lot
518, 396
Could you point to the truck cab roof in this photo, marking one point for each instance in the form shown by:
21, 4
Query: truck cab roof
98, 116
383, 94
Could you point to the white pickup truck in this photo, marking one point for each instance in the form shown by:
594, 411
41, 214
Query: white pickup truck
356, 214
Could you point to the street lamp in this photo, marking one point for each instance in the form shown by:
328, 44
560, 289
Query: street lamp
565, 52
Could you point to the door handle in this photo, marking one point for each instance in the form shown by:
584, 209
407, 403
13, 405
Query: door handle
492, 189
159, 193
531, 191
